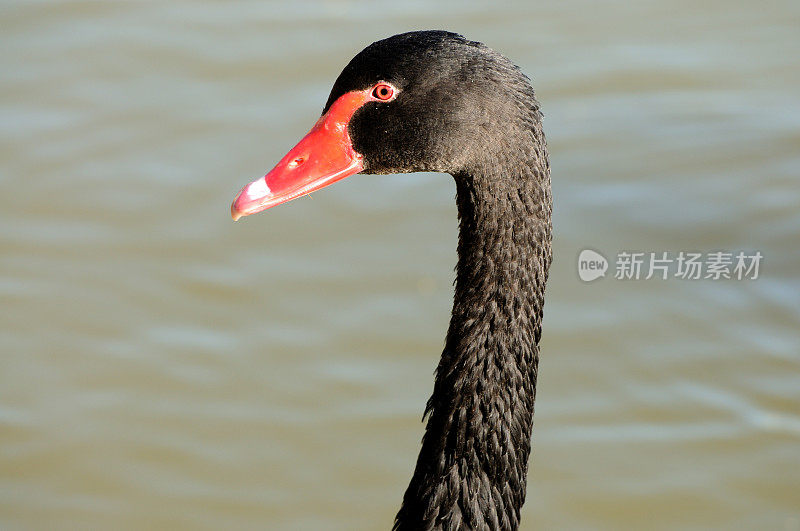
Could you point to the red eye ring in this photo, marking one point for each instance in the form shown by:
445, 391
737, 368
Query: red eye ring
383, 92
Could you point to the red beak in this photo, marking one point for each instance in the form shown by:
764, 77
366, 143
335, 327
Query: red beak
325, 155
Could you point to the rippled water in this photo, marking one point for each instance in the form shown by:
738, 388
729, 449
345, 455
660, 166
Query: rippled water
163, 367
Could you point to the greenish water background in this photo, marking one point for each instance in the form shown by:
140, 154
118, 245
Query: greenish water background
162, 367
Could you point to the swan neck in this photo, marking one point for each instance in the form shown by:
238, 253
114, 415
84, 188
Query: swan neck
473, 464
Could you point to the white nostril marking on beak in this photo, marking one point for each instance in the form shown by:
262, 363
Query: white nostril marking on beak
258, 189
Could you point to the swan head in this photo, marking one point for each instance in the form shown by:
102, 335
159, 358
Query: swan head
418, 101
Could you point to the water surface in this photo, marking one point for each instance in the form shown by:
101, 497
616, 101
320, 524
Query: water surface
165, 368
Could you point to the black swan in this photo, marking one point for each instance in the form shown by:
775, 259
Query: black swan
435, 101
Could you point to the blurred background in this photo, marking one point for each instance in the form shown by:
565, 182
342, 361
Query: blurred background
162, 367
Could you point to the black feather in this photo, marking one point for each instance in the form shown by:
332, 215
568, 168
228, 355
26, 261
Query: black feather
466, 110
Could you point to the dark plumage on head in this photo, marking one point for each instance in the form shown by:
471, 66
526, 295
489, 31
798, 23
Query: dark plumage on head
457, 98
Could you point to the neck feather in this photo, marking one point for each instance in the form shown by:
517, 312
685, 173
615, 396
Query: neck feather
471, 471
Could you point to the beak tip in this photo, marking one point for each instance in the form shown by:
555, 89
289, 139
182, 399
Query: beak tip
235, 214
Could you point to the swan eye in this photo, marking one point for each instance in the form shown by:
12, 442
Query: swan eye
383, 92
